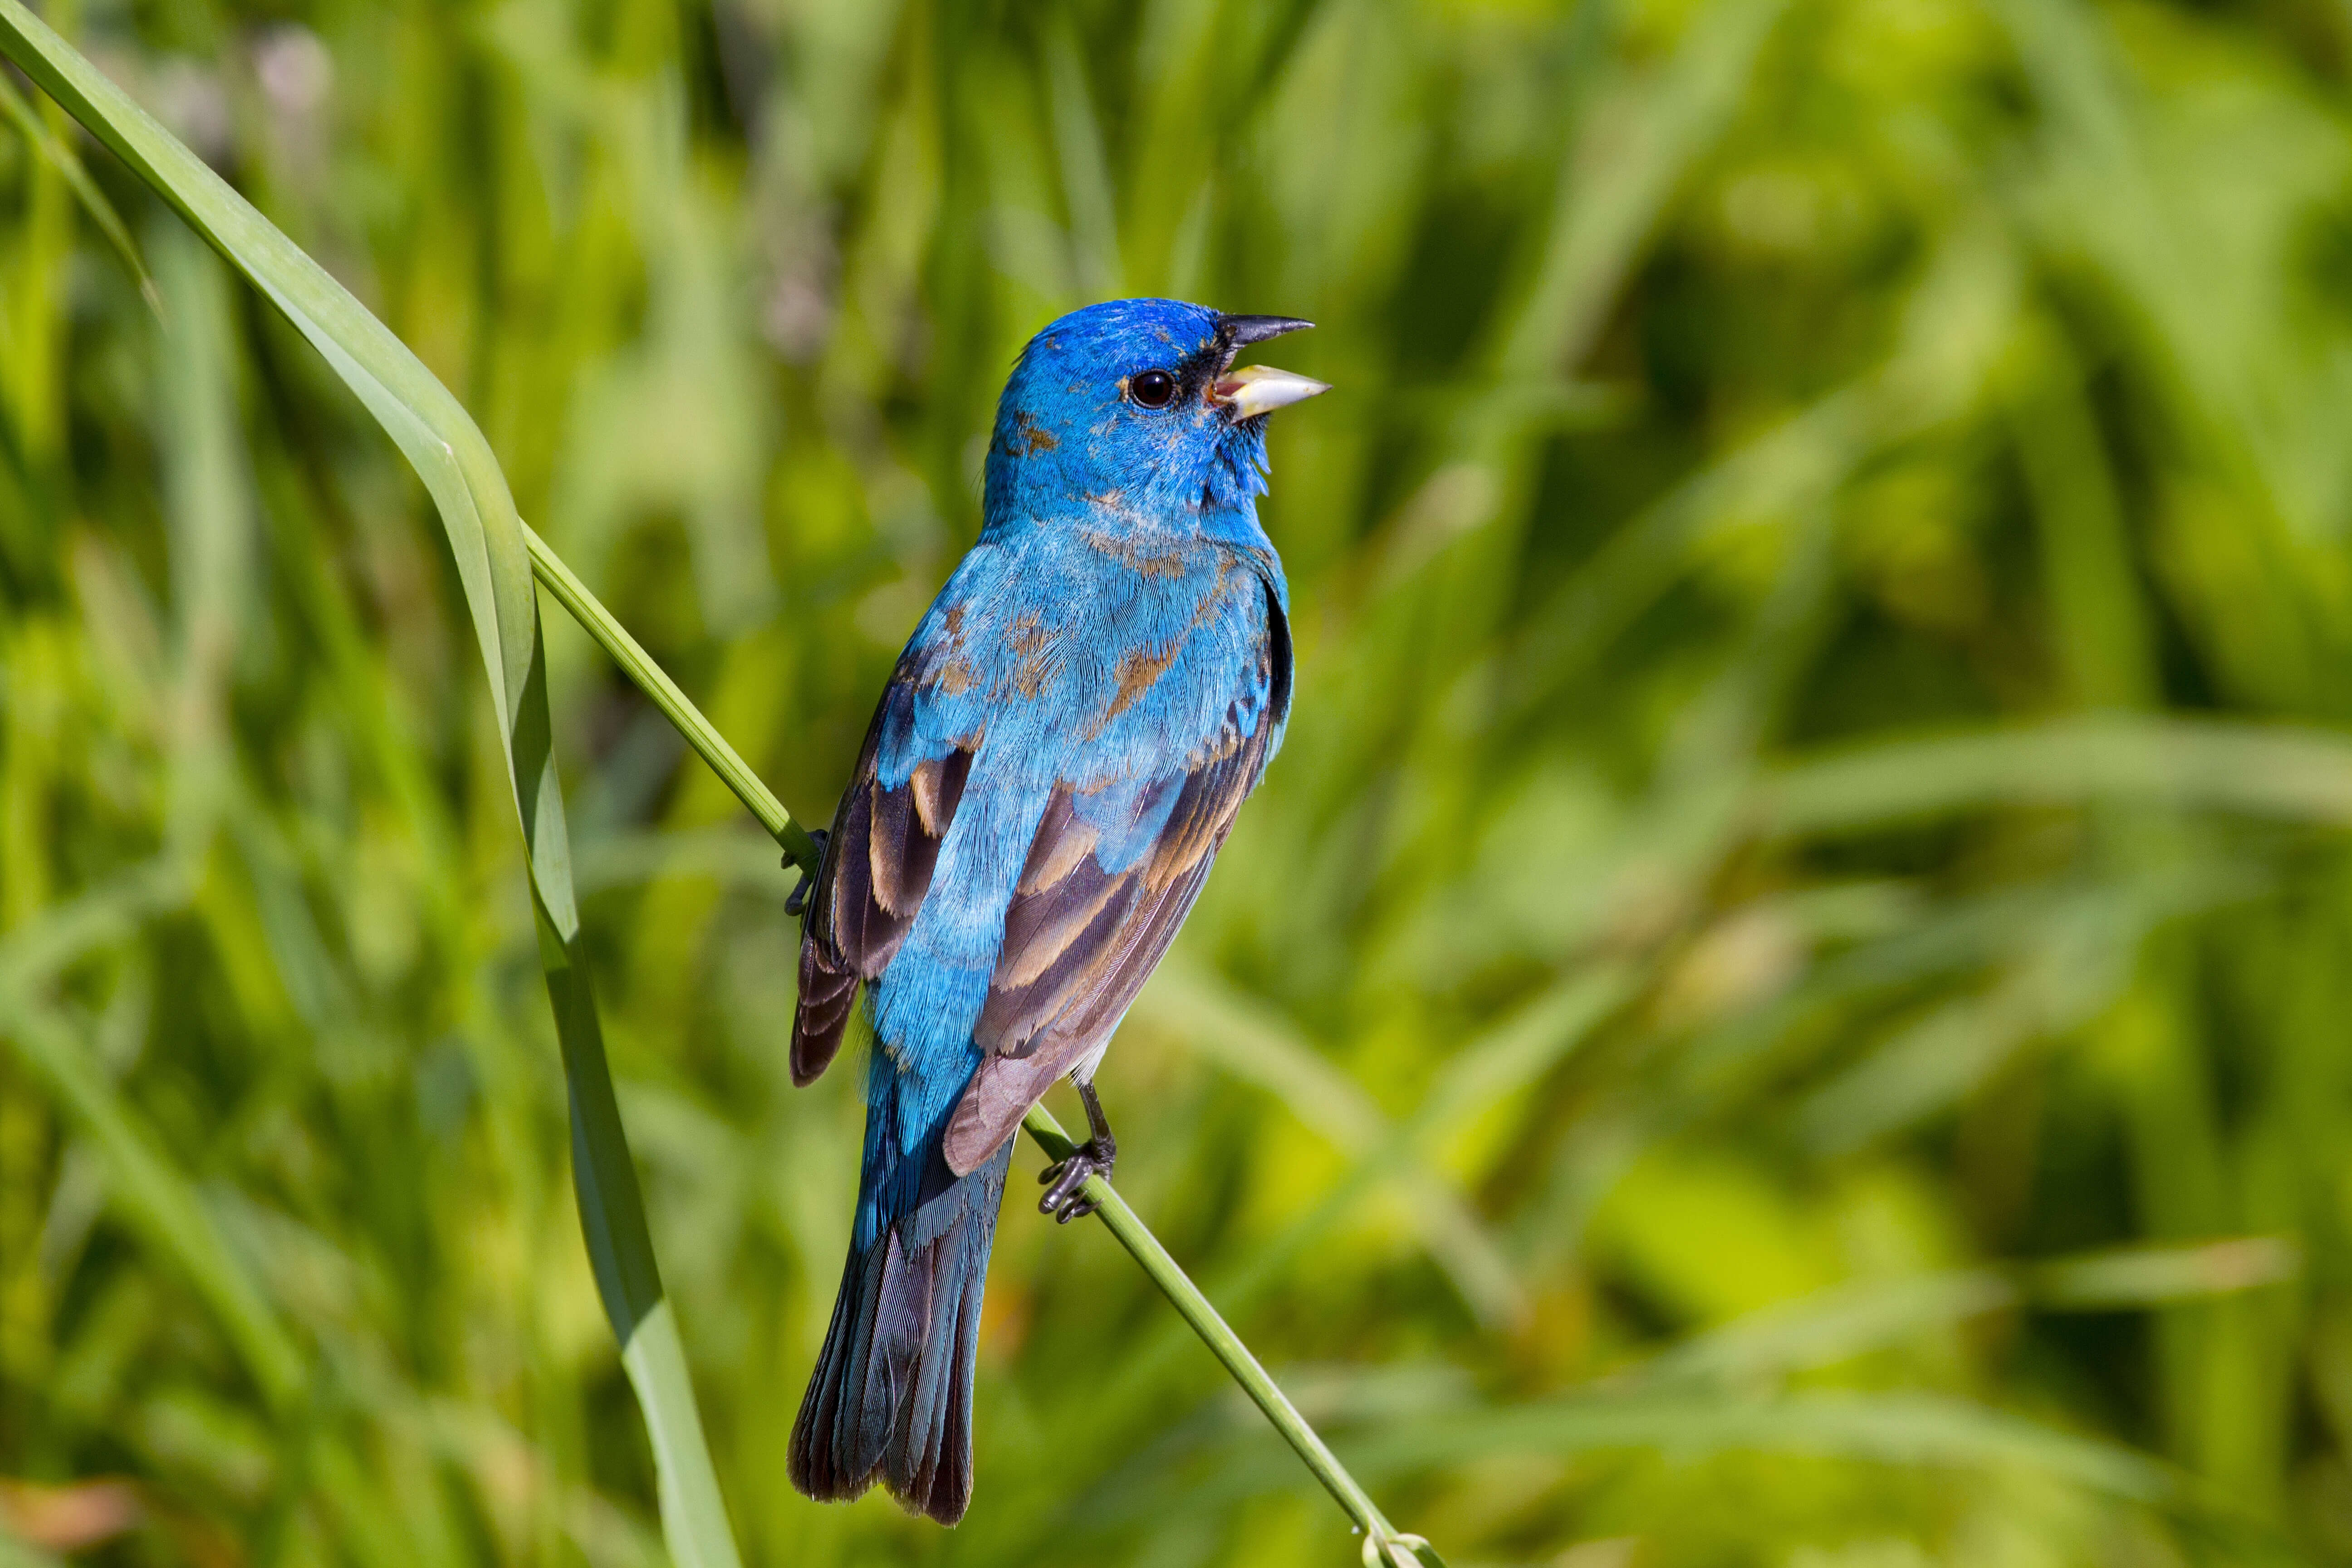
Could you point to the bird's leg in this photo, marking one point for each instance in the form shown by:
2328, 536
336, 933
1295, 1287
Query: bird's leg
1065, 1200
799, 898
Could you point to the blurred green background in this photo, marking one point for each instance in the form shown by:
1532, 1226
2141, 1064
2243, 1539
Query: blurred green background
1784, 1003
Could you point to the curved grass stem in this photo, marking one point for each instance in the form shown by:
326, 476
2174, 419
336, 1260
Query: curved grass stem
676, 707
1382, 1538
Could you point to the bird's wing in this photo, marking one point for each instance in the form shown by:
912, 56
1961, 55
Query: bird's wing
1081, 937
877, 867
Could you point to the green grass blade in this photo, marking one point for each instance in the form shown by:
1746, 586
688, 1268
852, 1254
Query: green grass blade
93, 201
158, 1202
1902, 1429
155, 1200
1831, 1326
2274, 771
451, 455
2123, 1278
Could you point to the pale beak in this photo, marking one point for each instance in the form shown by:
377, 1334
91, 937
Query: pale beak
1257, 389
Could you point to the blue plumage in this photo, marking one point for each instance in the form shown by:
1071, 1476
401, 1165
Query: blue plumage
1056, 760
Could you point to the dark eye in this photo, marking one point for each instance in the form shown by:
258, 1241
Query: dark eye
1152, 389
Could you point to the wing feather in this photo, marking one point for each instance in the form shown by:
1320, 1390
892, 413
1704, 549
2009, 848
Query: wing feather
1080, 940
876, 869
1064, 838
1041, 929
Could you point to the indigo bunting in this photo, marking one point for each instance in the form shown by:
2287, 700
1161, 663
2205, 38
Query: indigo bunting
1055, 764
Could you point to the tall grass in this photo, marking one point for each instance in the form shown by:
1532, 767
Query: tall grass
1782, 1004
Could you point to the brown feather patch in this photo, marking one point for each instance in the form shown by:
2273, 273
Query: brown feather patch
938, 789
1034, 646
925, 784
1052, 859
1034, 941
827, 991
1001, 1094
886, 847
1140, 670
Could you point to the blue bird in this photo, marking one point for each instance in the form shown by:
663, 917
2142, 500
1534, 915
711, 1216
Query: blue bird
1056, 760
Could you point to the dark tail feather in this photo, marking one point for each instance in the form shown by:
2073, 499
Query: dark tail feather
891, 1396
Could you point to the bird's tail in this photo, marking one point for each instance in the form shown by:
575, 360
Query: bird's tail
891, 1396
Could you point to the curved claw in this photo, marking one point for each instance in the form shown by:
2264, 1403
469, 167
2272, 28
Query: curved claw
1066, 1199
799, 898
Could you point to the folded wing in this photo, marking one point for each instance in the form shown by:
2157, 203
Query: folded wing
1080, 938
876, 868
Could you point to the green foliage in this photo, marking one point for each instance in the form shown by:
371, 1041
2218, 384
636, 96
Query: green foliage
1781, 1004
487, 540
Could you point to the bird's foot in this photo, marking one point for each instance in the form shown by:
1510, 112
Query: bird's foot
799, 898
1066, 1199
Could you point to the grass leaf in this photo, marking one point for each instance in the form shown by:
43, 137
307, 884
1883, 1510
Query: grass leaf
451, 455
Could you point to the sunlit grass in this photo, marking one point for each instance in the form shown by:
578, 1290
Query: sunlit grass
1805, 889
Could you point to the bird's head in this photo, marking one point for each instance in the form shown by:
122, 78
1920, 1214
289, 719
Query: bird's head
1135, 407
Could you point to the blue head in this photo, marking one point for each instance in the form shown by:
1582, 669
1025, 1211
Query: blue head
1134, 407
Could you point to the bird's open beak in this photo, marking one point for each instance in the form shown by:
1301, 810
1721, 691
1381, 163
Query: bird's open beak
1257, 389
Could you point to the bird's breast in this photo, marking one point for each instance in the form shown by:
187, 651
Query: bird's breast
1095, 652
